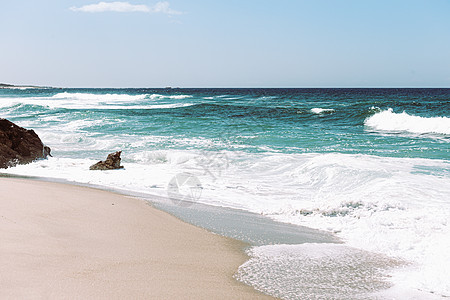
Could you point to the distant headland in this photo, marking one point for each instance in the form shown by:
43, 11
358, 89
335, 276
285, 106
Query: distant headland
12, 86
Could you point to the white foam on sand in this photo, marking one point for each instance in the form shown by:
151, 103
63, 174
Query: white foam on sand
316, 271
396, 207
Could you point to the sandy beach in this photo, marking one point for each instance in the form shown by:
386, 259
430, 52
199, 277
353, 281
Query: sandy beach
62, 241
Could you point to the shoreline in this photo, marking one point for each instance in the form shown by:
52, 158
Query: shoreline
60, 240
235, 224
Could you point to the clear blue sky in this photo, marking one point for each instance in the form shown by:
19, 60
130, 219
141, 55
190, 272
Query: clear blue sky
199, 43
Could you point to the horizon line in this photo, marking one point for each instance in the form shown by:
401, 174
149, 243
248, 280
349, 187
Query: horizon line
229, 87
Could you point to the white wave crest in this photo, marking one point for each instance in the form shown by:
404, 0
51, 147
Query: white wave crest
319, 111
116, 97
99, 97
179, 97
387, 120
175, 97
97, 101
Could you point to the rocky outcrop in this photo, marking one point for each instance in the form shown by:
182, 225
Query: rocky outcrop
19, 145
112, 162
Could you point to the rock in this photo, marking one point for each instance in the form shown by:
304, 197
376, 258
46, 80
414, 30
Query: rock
19, 145
112, 162
47, 151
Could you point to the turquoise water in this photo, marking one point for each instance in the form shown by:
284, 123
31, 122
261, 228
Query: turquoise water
254, 120
371, 166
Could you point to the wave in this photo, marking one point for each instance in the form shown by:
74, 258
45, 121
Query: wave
99, 97
387, 120
93, 101
136, 107
177, 97
116, 97
321, 110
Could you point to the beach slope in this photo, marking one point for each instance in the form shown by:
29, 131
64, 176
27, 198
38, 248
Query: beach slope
63, 241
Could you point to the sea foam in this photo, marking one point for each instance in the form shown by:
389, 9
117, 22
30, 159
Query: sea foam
99, 97
316, 271
391, 206
319, 111
388, 120
98, 101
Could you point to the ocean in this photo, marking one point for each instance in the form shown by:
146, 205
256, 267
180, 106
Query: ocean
369, 167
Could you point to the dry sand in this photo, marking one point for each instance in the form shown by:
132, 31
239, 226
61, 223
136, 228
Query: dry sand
70, 242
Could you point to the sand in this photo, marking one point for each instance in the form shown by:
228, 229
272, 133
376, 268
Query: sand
59, 241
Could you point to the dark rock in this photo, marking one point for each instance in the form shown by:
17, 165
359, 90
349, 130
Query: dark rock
47, 151
112, 162
19, 145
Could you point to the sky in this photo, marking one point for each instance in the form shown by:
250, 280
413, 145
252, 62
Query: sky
199, 43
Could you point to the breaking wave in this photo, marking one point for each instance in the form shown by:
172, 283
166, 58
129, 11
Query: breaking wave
322, 110
388, 120
98, 101
115, 97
